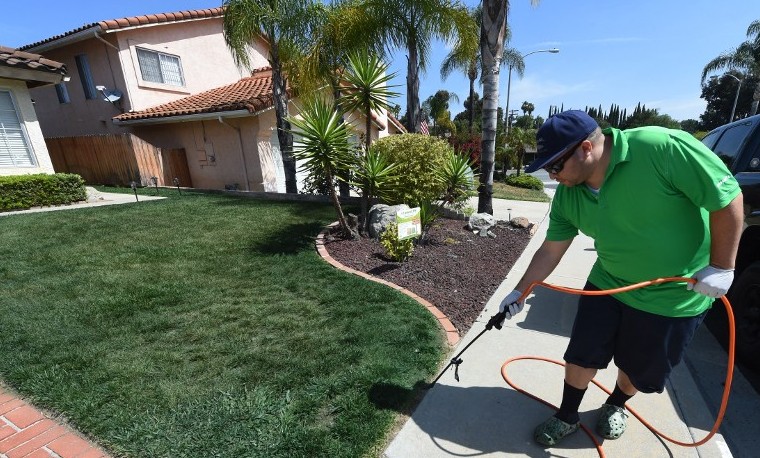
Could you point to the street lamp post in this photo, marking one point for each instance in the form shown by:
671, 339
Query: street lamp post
736, 97
509, 82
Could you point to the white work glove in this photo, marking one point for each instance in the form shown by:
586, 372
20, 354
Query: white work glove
510, 305
712, 281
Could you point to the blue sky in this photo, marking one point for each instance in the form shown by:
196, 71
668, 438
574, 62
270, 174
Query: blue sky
649, 51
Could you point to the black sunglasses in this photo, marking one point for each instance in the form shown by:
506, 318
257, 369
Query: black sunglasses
557, 166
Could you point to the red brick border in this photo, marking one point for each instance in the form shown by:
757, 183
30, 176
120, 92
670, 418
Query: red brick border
27, 432
452, 335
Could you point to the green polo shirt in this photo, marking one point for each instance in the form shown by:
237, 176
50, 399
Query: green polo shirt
650, 219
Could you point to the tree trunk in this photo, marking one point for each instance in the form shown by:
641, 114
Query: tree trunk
280, 96
343, 186
412, 87
345, 231
755, 100
472, 102
492, 31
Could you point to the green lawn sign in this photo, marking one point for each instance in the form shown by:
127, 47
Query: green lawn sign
409, 223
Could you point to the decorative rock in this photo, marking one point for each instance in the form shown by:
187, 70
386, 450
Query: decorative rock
481, 222
520, 221
380, 216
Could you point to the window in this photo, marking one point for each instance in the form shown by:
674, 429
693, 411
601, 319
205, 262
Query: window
14, 146
158, 67
730, 143
83, 66
63, 93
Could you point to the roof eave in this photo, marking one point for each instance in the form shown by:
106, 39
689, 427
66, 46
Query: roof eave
33, 78
65, 40
188, 118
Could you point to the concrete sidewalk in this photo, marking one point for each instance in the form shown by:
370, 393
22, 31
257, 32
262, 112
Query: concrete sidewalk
482, 416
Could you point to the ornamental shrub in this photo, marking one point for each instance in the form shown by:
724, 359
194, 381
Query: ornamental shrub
418, 158
397, 250
19, 192
524, 181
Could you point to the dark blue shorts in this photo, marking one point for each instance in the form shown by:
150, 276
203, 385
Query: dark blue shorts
645, 346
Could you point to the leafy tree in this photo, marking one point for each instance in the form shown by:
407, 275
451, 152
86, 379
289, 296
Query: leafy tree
413, 25
527, 108
324, 148
437, 106
720, 93
517, 141
746, 57
285, 24
690, 125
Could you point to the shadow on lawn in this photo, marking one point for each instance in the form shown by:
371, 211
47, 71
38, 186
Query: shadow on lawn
290, 239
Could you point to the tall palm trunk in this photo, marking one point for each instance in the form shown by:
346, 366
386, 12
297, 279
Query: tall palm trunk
284, 136
492, 32
472, 75
412, 87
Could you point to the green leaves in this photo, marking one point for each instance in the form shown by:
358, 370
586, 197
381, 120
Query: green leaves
323, 144
365, 87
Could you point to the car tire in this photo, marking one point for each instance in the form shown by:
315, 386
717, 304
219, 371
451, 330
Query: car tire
745, 301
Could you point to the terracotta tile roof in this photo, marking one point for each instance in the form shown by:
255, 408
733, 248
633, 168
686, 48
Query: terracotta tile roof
253, 94
134, 21
14, 58
396, 122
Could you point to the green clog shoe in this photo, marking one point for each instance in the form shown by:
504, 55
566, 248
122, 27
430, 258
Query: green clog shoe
612, 421
553, 430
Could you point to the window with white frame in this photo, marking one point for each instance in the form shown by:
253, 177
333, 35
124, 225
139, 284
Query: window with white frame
14, 146
158, 67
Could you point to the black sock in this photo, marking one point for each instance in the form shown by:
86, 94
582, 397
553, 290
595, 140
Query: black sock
571, 401
618, 397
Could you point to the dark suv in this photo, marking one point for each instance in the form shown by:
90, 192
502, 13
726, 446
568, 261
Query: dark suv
738, 145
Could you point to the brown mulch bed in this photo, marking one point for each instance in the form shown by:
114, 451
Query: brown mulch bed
456, 270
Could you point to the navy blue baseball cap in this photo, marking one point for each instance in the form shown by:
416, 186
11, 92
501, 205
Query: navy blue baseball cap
558, 134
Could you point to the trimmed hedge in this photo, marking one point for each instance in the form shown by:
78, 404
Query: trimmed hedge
19, 192
525, 181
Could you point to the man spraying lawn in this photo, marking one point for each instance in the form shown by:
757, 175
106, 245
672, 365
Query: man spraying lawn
657, 203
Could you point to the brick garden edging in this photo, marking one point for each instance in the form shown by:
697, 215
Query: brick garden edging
27, 432
452, 335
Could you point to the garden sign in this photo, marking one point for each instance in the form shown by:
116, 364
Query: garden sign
409, 223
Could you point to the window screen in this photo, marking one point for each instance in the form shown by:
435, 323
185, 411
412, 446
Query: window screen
83, 66
14, 146
63, 93
160, 68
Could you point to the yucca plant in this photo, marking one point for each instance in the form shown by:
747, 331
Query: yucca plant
324, 148
373, 174
458, 177
365, 88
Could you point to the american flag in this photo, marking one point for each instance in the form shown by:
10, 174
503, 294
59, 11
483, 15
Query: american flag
424, 127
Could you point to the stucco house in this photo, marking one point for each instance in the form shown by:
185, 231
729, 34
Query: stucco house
171, 80
22, 146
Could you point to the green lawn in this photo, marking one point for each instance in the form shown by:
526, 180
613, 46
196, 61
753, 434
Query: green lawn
206, 325
502, 190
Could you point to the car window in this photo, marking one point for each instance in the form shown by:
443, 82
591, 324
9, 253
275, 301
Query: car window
730, 143
710, 139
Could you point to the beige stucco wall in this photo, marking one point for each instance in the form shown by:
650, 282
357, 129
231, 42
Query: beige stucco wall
206, 64
31, 126
219, 154
206, 60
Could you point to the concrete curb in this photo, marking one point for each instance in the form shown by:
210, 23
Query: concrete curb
452, 335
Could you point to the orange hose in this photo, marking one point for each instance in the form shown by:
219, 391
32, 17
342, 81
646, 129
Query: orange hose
657, 281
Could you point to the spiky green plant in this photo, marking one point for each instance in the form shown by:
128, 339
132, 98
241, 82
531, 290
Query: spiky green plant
373, 175
323, 147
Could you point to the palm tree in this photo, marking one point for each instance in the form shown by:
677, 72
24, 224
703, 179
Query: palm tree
493, 30
324, 148
437, 106
527, 108
745, 57
466, 58
414, 24
285, 24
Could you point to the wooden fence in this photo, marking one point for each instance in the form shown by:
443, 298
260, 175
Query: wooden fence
118, 160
